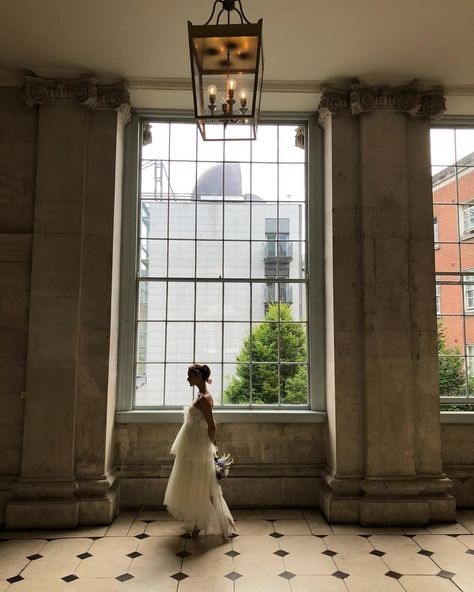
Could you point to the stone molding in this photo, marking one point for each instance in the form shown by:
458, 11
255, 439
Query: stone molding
359, 98
76, 91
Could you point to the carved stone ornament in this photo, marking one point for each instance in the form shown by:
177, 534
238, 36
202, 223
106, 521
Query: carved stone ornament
365, 99
77, 91
299, 137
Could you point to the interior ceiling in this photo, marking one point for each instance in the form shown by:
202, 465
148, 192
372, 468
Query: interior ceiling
304, 40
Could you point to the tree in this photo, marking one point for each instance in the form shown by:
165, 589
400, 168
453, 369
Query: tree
267, 337
452, 378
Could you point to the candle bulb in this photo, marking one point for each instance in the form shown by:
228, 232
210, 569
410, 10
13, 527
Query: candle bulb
243, 98
231, 89
212, 90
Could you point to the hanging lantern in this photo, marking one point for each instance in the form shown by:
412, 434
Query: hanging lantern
227, 74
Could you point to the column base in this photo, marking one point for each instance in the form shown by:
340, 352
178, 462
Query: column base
391, 502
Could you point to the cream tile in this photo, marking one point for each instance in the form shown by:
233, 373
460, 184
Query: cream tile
262, 583
314, 516
254, 564
166, 528
277, 514
206, 584
121, 525
319, 528
137, 527
449, 528
82, 531
3, 585
293, 527
415, 530
372, 582
207, 560
154, 515
43, 585
401, 555
159, 574
353, 555
13, 555
464, 581
255, 544
467, 539
153, 546
317, 583
355, 529
305, 556
95, 585
253, 527
59, 559
109, 558
449, 553
427, 584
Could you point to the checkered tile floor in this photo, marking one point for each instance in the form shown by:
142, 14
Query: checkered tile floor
273, 550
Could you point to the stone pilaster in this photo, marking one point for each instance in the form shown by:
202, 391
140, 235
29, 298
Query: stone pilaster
384, 449
66, 477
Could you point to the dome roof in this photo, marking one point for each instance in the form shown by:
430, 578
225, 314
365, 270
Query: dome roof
209, 182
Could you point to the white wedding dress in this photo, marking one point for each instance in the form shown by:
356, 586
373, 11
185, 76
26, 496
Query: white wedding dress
193, 493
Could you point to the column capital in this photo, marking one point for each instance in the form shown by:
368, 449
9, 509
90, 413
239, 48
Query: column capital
360, 98
75, 91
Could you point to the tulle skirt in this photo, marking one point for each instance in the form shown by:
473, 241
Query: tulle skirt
193, 493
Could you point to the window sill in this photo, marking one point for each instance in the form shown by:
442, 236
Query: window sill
457, 416
227, 416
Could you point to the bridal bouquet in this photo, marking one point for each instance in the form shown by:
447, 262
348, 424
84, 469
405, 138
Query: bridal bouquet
222, 464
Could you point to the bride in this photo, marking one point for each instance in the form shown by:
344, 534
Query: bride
193, 493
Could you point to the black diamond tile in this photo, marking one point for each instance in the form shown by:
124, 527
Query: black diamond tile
70, 578
377, 553
276, 535
410, 536
124, 577
470, 551
281, 553
84, 556
142, 536
446, 574
148, 521
233, 575
179, 576
329, 553
365, 536
34, 557
453, 535
270, 519
14, 579
425, 552
320, 536
233, 535
185, 535
183, 554
341, 575
134, 555
394, 574
287, 575
95, 538
232, 553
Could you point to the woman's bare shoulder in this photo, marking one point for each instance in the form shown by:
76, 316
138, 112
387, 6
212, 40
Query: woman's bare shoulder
207, 398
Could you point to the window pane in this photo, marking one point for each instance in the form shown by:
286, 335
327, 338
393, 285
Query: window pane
260, 213
292, 340
264, 384
264, 342
442, 147
236, 259
149, 385
182, 180
181, 258
181, 301
237, 384
159, 148
236, 342
177, 390
210, 184
264, 148
294, 214
153, 258
447, 222
208, 342
236, 301
237, 221
291, 182
212, 151
264, 182
208, 301
295, 296
152, 302
183, 141
262, 295
151, 342
294, 384
209, 219
154, 219
464, 143
209, 259
237, 151
287, 151
179, 342
182, 219
154, 179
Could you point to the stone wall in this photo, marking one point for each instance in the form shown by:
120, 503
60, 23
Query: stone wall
457, 445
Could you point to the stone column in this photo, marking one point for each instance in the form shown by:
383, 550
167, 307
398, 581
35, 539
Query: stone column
66, 476
384, 448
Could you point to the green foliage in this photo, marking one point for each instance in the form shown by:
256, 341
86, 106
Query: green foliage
452, 378
293, 377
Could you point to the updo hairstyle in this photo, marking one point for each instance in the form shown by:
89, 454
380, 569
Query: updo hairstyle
201, 370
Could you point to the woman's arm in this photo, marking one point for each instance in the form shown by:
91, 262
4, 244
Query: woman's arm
206, 407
